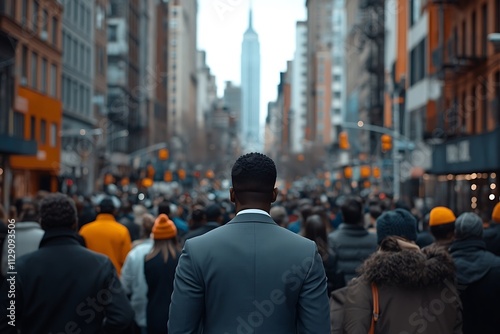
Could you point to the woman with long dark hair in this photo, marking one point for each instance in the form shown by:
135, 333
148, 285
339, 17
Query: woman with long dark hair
315, 230
159, 269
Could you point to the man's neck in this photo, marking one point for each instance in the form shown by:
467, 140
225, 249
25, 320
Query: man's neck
265, 208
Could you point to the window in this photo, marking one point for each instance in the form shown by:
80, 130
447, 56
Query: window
464, 38
34, 16
485, 29
45, 22
32, 128
53, 135
81, 104
99, 17
336, 112
497, 15
44, 75
83, 56
24, 66
55, 24
18, 124
43, 132
100, 60
484, 107
415, 7
336, 78
75, 11
112, 33
24, 12
75, 52
473, 34
34, 70
173, 24
417, 63
53, 80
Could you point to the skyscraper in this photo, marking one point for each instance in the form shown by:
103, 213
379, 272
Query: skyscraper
250, 89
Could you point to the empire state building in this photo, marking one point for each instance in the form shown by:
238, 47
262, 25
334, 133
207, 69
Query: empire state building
250, 90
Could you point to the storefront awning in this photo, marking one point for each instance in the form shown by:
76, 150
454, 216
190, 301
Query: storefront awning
479, 153
12, 145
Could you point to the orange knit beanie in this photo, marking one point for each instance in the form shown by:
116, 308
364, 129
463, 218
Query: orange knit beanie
164, 228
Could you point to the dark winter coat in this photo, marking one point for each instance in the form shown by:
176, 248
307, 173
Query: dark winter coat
478, 276
491, 237
351, 244
160, 279
65, 287
417, 294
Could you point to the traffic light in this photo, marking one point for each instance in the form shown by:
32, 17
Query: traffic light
386, 143
343, 140
167, 177
182, 174
163, 154
365, 172
147, 182
108, 179
348, 172
210, 174
376, 172
150, 172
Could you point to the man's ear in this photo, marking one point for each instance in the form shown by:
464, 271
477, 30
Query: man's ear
232, 197
275, 195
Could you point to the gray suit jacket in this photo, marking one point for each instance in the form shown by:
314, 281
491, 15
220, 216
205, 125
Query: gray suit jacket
250, 276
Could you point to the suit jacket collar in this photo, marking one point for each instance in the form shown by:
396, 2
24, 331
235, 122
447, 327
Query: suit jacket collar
252, 218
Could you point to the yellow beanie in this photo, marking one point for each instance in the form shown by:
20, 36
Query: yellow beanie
495, 216
441, 215
164, 228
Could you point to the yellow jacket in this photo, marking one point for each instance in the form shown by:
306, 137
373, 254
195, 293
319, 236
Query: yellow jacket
106, 236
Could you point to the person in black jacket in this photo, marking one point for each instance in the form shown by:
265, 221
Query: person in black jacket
63, 287
492, 234
351, 242
478, 274
211, 218
159, 269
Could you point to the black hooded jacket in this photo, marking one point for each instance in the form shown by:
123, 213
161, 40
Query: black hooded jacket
478, 276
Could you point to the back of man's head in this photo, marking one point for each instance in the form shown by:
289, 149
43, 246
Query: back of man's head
58, 211
213, 213
254, 173
352, 210
107, 206
164, 208
279, 215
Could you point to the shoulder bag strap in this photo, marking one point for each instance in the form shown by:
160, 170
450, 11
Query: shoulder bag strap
375, 308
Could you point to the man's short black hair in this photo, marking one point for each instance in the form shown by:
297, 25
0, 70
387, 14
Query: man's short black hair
254, 172
164, 207
443, 232
352, 210
57, 210
107, 206
213, 212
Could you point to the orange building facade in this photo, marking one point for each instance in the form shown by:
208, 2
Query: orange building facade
36, 26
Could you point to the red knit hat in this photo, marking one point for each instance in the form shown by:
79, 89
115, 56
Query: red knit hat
164, 228
495, 216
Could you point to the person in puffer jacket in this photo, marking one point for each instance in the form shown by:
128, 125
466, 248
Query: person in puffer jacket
417, 292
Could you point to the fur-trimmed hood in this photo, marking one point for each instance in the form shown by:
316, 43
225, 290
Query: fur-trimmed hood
409, 268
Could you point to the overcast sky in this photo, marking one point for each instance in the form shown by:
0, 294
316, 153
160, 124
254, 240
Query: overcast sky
221, 24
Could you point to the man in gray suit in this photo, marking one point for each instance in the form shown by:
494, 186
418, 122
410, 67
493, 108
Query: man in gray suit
250, 275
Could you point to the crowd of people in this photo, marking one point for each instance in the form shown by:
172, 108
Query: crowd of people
269, 263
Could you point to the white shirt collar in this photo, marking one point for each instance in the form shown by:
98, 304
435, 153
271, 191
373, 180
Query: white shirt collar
262, 212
